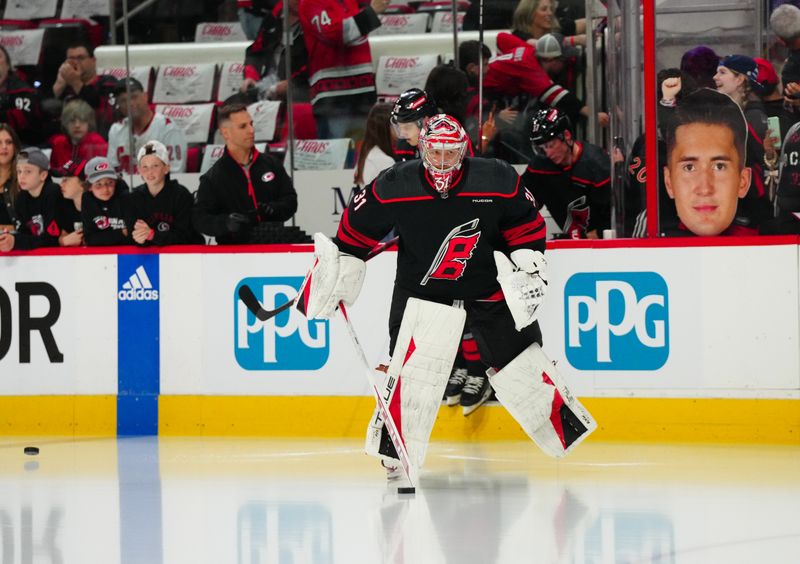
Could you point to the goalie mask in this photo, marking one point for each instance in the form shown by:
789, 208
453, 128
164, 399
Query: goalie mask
443, 144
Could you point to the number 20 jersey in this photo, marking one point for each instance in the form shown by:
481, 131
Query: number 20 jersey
446, 243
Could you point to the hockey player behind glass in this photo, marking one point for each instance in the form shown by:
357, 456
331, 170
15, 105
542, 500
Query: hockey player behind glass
469, 235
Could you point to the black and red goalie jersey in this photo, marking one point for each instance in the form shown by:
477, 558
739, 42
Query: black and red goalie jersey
446, 240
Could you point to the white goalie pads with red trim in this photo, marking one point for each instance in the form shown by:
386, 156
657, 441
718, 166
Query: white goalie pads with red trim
417, 376
536, 395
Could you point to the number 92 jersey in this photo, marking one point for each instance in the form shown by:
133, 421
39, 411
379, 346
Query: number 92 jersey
446, 240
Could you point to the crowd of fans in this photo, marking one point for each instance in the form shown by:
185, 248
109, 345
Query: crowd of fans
87, 128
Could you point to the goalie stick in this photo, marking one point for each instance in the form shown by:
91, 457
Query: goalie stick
250, 300
391, 428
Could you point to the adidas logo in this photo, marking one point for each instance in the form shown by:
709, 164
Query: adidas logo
138, 287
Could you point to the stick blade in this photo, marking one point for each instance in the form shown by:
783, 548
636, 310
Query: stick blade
250, 300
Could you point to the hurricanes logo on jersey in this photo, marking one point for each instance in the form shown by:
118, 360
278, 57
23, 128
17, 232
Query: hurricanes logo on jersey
454, 252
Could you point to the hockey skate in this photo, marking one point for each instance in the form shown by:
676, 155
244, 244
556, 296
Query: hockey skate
475, 393
455, 385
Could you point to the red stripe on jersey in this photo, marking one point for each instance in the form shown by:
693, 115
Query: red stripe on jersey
590, 183
358, 239
469, 346
525, 233
498, 296
537, 171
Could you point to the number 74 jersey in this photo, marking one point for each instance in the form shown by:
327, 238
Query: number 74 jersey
446, 240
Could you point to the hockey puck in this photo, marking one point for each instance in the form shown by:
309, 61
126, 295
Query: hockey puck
33, 451
407, 490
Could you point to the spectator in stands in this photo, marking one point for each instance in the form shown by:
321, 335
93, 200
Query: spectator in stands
78, 78
244, 187
376, 153
497, 14
36, 206
705, 171
104, 207
19, 103
147, 126
161, 208
409, 114
79, 141
265, 58
556, 59
252, 14
785, 22
448, 86
570, 177
787, 201
700, 64
772, 98
340, 65
73, 186
534, 18
737, 75
9, 187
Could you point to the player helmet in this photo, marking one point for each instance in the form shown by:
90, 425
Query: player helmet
413, 105
546, 125
443, 144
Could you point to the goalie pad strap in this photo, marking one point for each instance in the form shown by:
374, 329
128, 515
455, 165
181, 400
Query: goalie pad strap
535, 394
417, 376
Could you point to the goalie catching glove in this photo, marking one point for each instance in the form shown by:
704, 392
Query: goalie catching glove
335, 277
524, 283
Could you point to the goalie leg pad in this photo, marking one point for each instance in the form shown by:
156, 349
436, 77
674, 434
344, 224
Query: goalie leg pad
423, 357
536, 395
334, 277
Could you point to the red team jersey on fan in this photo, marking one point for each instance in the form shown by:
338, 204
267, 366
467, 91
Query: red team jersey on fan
161, 129
446, 243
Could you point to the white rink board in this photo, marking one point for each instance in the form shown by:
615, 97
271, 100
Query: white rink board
720, 344
85, 331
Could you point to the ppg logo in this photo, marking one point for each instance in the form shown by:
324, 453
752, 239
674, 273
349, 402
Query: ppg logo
288, 341
616, 321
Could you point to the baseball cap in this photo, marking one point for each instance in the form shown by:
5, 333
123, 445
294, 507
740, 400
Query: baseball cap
156, 148
35, 157
129, 82
99, 168
551, 46
767, 77
71, 168
743, 65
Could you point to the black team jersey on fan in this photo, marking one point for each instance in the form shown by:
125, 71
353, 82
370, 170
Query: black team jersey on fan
579, 196
68, 216
446, 243
37, 218
168, 213
103, 222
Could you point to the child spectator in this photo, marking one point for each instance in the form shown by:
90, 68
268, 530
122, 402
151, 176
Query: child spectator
78, 78
161, 209
79, 141
36, 206
103, 207
19, 103
9, 188
73, 186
